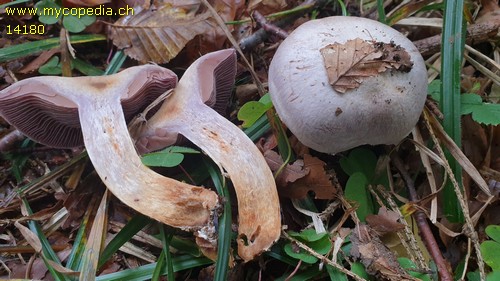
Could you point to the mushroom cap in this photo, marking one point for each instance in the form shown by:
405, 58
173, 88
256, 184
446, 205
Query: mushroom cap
382, 110
36, 109
211, 80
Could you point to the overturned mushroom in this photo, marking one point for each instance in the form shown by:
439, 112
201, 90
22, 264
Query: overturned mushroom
341, 82
184, 113
45, 108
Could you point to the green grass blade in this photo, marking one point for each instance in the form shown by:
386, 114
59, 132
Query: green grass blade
47, 250
166, 238
224, 231
381, 12
146, 272
128, 231
451, 65
31, 48
116, 62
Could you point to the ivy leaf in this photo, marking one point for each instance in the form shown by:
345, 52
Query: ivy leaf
169, 157
485, 113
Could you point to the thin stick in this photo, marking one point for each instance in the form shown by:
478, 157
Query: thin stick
421, 219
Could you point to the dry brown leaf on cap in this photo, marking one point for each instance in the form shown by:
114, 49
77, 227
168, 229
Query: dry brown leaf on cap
316, 181
348, 64
159, 33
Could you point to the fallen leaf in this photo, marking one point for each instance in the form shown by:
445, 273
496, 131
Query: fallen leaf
290, 173
385, 221
349, 64
374, 255
316, 181
158, 34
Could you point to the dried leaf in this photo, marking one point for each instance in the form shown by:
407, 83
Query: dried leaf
30, 237
158, 34
376, 257
349, 64
316, 181
266, 6
385, 221
290, 173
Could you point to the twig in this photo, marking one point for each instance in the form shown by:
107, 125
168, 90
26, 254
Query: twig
10, 140
421, 219
476, 33
468, 229
273, 29
250, 42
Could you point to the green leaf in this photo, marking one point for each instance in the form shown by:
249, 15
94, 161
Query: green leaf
301, 254
474, 276
251, 112
169, 157
486, 113
320, 243
434, 90
408, 264
490, 250
77, 24
355, 190
360, 270
47, 17
493, 231
308, 235
360, 160
494, 276
51, 67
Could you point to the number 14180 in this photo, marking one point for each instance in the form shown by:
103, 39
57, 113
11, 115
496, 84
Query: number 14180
34, 29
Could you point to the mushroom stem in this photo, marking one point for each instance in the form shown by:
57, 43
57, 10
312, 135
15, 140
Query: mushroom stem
184, 112
164, 199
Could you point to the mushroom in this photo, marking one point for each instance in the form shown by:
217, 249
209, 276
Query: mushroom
184, 113
340, 82
51, 110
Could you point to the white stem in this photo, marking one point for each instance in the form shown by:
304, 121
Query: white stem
114, 157
230, 148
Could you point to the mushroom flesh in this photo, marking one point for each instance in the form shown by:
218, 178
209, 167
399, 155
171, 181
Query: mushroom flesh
379, 105
50, 104
185, 113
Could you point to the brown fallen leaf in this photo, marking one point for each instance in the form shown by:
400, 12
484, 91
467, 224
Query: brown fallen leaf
348, 64
316, 181
375, 256
290, 173
385, 221
159, 33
